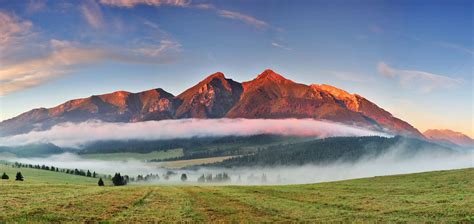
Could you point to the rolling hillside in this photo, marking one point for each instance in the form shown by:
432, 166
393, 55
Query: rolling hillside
441, 196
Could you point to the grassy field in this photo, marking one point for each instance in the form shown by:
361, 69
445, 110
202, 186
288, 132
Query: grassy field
44, 196
171, 153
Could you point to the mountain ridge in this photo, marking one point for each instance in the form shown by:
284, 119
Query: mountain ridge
449, 136
269, 95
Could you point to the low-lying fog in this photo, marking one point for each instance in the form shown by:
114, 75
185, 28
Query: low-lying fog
387, 164
76, 134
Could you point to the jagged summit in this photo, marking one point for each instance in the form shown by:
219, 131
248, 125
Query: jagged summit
217, 75
210, 98
269, 74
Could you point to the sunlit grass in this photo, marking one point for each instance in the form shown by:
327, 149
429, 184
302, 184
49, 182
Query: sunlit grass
45, 196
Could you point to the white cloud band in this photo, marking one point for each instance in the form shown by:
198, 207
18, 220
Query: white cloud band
73, 135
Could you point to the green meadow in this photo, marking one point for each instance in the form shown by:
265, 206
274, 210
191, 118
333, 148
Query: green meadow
46, 196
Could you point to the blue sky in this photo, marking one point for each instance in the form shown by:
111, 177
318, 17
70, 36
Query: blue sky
413, 58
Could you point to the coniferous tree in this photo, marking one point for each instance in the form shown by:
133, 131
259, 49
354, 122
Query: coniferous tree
226, 177
5, 176
118, 180
89, 174
19, 176
184, 177
100, 183
209, 178
94, 175
201, 179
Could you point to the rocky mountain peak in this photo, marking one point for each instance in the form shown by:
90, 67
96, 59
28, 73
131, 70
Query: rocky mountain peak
270, 75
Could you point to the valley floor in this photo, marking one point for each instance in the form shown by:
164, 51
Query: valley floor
441, 196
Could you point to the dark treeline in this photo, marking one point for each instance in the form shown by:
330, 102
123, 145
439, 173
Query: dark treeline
233, 145
80, 172
117, 179
218, 178
324, 151
155, 177
193, 148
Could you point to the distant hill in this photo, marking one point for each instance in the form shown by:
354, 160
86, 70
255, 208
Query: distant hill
449, 136
33, 150
269, 95
193, 148
325, 151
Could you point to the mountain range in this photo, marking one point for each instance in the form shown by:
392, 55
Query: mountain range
269, 95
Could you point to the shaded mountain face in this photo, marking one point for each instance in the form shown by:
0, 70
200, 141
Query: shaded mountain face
449, 136
269, 95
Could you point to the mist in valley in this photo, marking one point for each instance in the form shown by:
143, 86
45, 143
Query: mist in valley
395, 161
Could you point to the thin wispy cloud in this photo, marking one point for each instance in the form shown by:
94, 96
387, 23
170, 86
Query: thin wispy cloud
442, 44
159, 49
66, 56
277, 45
92, 13
29, 59
242, 17
425, 81
133, 3
35, 6
455, 47
34, 72
12, 29
260, 24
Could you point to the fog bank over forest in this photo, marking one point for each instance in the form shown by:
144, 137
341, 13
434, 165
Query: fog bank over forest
387, 164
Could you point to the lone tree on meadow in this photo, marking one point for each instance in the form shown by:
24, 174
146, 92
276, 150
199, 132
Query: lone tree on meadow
19, 177
5, 176
184, 177
119, 180
100, 183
